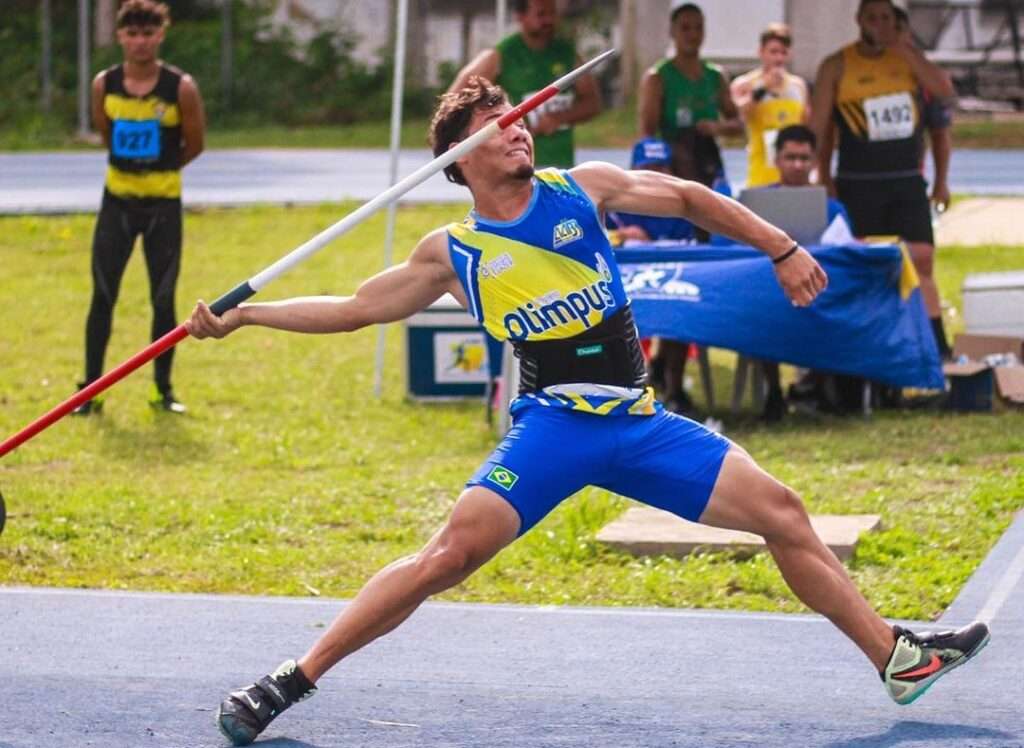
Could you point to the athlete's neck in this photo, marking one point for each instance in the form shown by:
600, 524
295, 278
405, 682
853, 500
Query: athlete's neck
505, 201
688, 64
869, 50
142, 71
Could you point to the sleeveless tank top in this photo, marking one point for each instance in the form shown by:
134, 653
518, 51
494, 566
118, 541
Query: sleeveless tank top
548, 275
145, 136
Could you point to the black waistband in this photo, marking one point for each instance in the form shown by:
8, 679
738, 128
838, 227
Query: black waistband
608, 353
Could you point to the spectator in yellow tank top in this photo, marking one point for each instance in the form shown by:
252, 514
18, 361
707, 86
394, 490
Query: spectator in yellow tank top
769, 98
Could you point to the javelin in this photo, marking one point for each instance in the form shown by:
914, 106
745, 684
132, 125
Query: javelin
244, 290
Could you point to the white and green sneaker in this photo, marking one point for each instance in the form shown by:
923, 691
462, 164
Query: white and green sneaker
918, 660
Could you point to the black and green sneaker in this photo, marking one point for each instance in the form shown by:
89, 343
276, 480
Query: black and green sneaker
89, 407
167, 402
245, 713
918, 660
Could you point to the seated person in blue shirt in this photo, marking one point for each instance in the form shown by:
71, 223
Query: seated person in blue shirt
632, 228
792, 147
794, 158
668, 357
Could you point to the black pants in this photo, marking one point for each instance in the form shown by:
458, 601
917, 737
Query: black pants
120, 222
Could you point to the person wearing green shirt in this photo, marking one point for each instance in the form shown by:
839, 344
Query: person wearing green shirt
526, 62
685, 101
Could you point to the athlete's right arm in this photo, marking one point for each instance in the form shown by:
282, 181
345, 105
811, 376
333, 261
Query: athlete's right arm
487, 65
389, 296
100, 121
825, 88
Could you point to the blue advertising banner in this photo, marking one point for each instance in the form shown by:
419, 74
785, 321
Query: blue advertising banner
870, 321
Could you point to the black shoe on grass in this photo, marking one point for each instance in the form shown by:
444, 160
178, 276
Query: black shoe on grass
89, 407
918, 660
167, 402
245, 713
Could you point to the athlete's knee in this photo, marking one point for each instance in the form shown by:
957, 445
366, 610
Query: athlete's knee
787, 519
446, 562
923, 257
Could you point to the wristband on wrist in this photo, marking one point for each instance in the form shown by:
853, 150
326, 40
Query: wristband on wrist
786, 255
759, 93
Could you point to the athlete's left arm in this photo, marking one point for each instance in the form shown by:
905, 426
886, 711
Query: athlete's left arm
653, 193
932, 78
193, 119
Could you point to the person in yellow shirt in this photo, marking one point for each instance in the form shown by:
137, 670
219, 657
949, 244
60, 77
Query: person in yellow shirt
769, 98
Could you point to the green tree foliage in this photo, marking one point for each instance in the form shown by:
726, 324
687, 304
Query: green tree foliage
277, 80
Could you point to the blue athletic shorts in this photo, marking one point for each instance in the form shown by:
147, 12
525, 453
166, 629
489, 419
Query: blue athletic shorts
664, 460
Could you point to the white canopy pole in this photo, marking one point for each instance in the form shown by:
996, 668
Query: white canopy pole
500, 14
83, 68
397, 90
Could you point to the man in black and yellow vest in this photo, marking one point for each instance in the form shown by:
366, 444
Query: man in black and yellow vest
872, 90
150, 116
527, 61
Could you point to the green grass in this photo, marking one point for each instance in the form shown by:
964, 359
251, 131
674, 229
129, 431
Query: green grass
288, 475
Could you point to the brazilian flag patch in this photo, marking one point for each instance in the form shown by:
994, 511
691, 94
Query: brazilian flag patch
503, 477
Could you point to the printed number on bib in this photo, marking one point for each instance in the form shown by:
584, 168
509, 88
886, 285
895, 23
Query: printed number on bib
890, 117
136, 138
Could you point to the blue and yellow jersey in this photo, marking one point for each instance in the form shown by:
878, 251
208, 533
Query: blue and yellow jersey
548, 275
145, 136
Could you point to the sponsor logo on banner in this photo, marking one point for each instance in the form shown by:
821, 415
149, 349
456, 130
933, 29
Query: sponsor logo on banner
659, 281
460, 358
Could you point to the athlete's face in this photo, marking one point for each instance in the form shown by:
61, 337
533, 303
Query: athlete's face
877, 24
141, 44
774, 54
539, 22
509, 153
794, 161
688, 32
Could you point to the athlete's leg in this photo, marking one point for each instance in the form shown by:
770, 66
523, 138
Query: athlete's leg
910, 215
923, 256
747, 498
481, 524
161, 243
111, 247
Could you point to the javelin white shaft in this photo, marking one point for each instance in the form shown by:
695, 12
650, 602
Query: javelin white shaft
566, 80
325, 237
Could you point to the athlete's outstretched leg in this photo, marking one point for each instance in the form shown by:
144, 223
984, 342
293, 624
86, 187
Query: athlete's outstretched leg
481, 524
746, 498
749, 499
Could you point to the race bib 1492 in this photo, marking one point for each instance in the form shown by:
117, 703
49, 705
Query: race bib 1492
890, 117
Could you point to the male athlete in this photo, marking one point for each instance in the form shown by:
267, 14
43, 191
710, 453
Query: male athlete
871, 89
533, 264
150, 115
